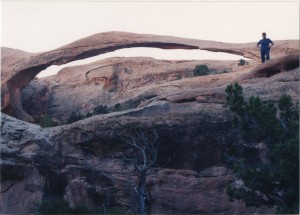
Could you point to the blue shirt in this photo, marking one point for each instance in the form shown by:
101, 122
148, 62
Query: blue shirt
264, 44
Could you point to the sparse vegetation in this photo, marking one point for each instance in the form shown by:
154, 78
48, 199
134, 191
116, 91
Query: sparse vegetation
47, 121
113, 90
201, 70
178, 77
89, 114
60, 206
117, 107
273, 183
142, 153
74, 117
242, 62
100, 109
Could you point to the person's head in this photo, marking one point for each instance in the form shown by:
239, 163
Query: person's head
264, 35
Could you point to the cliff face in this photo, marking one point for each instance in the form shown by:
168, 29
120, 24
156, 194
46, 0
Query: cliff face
81, 162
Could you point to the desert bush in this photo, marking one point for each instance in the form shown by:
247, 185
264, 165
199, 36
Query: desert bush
178, 77
47, 121
74, 117
89, 114
274, 183
201, 70
117, 107
242, 62
60, 206
100, 109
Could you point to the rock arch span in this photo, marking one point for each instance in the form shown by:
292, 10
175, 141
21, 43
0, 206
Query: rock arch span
19, 68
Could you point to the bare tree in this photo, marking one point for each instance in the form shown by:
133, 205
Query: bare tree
142, 154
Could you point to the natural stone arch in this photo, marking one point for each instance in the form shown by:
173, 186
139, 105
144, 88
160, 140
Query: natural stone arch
19, 71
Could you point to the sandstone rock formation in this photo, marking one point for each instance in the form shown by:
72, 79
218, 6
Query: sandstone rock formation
23, 67
81, 162
133, 82
127, 81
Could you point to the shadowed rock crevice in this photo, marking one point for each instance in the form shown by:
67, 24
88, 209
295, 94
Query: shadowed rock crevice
274, 66
55, 185
18, 82
291, 63
185, 100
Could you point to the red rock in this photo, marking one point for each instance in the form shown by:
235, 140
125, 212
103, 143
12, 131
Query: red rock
20, 70
81, 163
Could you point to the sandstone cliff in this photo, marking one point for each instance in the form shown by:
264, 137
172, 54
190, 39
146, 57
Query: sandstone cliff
81, 163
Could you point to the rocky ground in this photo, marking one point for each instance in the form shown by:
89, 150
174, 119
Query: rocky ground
81, 162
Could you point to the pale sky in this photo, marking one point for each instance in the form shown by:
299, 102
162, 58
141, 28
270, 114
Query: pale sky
35, 26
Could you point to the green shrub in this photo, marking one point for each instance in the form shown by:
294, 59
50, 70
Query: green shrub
80, 209
100, 110
242, 62
201, 70
89, 114
178, 77
58, 206
276, 182
113, 90
235, 99
117, 210
53, 206
117, 107
47, 121
74, 117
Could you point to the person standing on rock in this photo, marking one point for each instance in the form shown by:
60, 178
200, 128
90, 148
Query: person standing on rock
265, 45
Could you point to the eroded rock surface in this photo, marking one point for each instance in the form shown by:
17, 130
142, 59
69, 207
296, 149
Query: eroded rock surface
129, 82
81, 162
17, 72
136, 82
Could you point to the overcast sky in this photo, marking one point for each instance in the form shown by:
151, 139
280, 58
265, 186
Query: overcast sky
42, 26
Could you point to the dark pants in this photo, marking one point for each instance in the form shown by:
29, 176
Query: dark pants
265, 55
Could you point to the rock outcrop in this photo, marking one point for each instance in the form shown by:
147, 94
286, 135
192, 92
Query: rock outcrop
129, 82
23, 67
82, 163
134, 82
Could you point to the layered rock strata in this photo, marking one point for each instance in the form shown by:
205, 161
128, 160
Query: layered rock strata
19, 68
82, 163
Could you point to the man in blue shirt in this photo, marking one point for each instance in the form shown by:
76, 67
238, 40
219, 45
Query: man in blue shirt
265, 47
